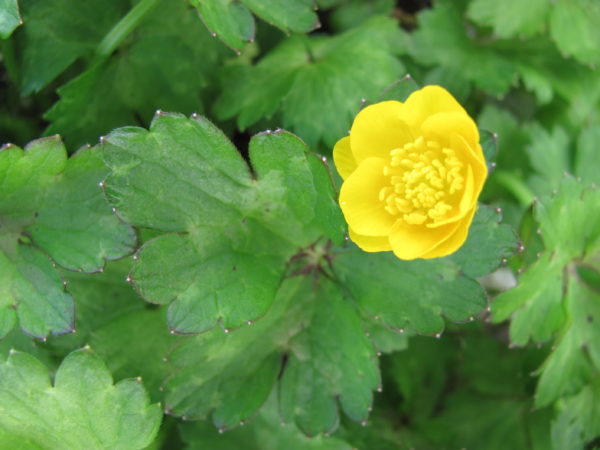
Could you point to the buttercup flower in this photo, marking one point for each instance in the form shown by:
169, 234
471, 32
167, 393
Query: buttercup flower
412, 174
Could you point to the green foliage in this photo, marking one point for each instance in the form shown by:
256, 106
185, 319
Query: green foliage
233, 23
242, 308
304, 83
81, 408
51, 206
223, 224
9, 17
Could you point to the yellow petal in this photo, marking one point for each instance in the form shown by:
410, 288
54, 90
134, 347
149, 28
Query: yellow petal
343, 158
359, 199
441, 127
377, 130
414, 241
428, 101
474, 157
456, 240
370, 243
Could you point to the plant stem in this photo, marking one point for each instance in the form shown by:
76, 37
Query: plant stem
515, 186
124, 27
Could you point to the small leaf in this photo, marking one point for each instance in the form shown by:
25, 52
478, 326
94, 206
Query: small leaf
9, 17
230, 20
80, 409
574, 28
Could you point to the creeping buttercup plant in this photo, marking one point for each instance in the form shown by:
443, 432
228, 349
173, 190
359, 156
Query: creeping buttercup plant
233, 224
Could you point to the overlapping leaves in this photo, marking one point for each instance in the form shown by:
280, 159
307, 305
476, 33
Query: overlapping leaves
230, 234
228, 238
305, 82
51, 207
233, 23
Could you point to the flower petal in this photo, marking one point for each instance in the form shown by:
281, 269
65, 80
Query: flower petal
343, 158
474, 157
415, 241
428, 101
442, 126
377, 130
370, 243
456, 240
359, 199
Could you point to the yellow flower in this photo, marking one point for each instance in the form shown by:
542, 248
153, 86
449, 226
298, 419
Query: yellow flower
412, 174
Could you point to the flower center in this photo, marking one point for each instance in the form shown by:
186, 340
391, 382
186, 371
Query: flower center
423, 178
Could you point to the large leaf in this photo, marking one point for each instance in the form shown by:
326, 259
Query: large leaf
9, 17
314, 85
51, 207
80, 408
232, 21
229, 235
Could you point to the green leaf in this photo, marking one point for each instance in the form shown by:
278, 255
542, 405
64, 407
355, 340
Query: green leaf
57, 33
588, 156
100, 299
330, 359
577, 355
409, 295
569, 226
289, 85
442, 39
231, 234
549, 157
169, 64
51, 206
264, 432
510, 18
80, 409
574, 28
233, 23
487, 244
230, 20
577, 421
9, 17
147, 340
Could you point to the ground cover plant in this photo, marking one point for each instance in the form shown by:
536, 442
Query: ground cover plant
188, 261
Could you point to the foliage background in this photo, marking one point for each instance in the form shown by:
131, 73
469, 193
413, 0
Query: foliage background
524, 373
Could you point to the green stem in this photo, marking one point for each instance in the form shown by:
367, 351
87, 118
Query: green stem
124, 27
515, 186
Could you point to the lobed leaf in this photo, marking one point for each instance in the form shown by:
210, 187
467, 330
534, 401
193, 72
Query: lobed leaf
81, 408
51, 207
230, 235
